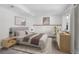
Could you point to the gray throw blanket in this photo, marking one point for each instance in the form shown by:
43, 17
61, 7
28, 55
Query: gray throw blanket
26, 39
35, 40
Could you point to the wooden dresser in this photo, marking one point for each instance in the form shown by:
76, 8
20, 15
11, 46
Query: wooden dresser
63, 41
8, 42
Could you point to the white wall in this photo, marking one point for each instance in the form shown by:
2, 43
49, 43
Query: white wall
56, 20
6, 21
53, 19
30, 21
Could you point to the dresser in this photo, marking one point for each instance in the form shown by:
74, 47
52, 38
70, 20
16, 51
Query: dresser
8, 42
63, 41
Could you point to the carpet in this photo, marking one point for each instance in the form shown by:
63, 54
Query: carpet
27, 49
51, 48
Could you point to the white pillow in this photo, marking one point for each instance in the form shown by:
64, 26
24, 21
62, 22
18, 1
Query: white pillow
21, 33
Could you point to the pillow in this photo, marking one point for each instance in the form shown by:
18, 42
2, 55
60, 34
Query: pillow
21, 33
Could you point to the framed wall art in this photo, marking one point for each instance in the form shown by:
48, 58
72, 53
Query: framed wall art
20, 21
46, 20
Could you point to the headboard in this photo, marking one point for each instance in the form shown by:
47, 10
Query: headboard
13, 30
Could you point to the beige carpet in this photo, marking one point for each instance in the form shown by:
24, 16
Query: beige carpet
31, 49
27, 49
51, 48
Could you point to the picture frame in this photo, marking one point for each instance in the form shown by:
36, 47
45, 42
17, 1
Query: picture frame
20, 21
46, 20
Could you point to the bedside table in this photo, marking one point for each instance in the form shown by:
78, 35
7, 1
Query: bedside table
8, 42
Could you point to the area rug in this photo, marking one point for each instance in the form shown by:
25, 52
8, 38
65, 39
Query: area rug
27, 49
33, 50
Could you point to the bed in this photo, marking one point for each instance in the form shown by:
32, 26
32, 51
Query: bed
33, 39
25, 37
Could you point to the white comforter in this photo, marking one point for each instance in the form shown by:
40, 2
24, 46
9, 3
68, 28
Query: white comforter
42, 42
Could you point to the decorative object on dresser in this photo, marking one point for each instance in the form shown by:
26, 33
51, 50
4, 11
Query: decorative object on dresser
63, 41
8, 42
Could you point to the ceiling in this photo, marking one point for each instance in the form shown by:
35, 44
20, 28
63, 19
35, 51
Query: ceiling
47, 9
38, 9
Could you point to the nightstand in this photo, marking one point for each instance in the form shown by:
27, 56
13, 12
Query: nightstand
8, 42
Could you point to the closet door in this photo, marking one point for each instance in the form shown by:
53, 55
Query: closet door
76, 39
